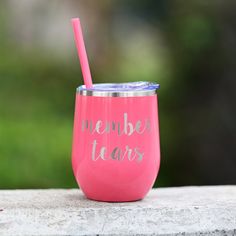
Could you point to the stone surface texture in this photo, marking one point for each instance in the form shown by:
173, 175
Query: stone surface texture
164, 211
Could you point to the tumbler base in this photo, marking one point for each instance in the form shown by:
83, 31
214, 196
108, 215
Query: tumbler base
114, 201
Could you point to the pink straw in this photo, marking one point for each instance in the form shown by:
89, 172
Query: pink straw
79, 41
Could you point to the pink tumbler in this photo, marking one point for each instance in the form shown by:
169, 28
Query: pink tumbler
116, 150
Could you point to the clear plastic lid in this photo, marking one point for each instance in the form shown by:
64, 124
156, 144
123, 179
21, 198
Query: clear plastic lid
140, 88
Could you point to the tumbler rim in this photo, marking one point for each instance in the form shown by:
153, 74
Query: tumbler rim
147, 91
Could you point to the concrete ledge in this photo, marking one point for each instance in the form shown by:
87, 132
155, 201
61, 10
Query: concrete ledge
165, 211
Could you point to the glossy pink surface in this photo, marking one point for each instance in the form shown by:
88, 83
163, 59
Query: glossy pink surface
116, 151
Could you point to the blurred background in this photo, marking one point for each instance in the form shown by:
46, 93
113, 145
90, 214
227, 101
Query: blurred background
189, 47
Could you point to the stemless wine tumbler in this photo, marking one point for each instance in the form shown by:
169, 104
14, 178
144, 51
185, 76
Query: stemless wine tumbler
116, 150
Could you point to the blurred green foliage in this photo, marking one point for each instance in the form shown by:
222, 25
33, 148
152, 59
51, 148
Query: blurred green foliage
37, 97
